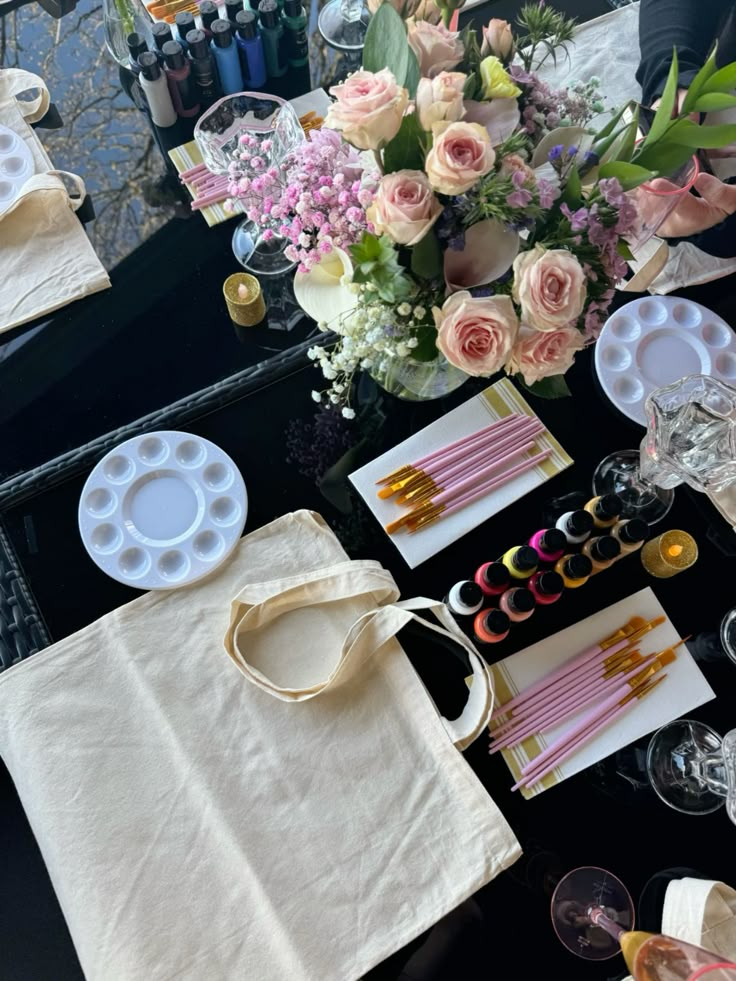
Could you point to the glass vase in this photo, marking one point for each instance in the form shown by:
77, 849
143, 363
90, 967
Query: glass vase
121, 18
418, 381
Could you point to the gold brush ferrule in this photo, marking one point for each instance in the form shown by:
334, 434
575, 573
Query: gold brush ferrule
625, 663
424, 488
628, 628
399, 485
432, 514
396, 475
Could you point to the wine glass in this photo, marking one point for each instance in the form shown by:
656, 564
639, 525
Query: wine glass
342, 24
274, 126
691, 438
656, 201
692, 769
593, 916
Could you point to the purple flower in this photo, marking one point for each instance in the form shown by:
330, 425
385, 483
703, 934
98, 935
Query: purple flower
548, 193
519, 199
578, 219
556, 152
457, 242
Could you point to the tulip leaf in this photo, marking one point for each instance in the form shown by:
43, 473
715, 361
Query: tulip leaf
573, 192
698, 83
687, 133
426, 257
629, 175
386, 45
663, 115
405, 150
664, 158
724, 80
611, 124
714, 102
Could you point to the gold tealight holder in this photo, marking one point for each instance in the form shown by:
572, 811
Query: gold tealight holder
244, 299
669, 553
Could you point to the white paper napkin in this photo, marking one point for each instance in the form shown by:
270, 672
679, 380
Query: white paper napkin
495, 402
682, 691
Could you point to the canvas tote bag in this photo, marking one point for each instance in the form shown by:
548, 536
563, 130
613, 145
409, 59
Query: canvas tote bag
47, 259
296, 810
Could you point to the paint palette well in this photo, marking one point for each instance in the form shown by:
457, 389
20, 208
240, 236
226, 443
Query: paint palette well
162, 510
16, 166
654, 341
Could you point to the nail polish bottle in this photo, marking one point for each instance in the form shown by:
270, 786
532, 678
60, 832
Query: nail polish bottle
549, 544
185, 23
161, 33
521, 561
136, 46
226, 57
493, 578
630, 535
181, 86
274, 42
605, 509
547, 587
574, 569
232, 9
153, 82
208, 12
203, 67
295, 23
602, 552
250, 46
518, 604
465, 598
577, 526
491, 626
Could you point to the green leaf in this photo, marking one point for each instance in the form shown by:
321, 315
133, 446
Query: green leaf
412, 73
687, 133
664, 158
723, 80
426, 350
554, 387
624, 251
469, 88
385, 43
714, 102
698, 84
628, 142
663, 115
573, 192
628, 174
405, 149
612, 123
426, 257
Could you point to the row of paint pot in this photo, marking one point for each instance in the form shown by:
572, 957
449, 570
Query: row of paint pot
518, 582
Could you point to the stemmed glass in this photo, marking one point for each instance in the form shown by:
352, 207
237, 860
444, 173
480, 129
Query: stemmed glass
692, 769
218, 133
691, 438
343, 23
593, 916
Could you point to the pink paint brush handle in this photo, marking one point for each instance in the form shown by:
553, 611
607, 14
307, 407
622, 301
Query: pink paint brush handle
480, 475
573, 747
473, 495
462, 452
499, 425
485, 452
559, 674
209, 199
557, 713
185, 174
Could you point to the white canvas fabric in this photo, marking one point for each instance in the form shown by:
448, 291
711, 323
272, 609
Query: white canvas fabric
296, 810
47, 259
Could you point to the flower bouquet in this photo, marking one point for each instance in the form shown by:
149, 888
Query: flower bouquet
457, 212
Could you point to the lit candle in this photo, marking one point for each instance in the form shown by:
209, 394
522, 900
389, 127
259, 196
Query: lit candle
669, 553
244, 299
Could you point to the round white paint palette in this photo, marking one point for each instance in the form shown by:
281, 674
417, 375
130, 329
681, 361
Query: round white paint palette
655, 341
16, 165
162, 510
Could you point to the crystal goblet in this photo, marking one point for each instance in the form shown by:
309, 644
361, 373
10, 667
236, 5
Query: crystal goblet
274, 126
342, 24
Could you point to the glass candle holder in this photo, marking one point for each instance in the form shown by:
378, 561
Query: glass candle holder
244, 299
669, 553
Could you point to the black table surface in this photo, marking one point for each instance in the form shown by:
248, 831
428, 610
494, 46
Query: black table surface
161, 333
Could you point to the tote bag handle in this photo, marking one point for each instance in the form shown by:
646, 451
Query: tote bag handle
259, 604
14, 81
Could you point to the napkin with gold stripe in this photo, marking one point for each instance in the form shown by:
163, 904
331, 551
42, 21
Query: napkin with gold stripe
495, 402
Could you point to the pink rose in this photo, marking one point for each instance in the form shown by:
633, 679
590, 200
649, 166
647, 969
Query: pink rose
550, 286
498, 39
404, 207
368, 109
440, 98
461, 154
404, 8
538, 354
476, 335
436, 48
